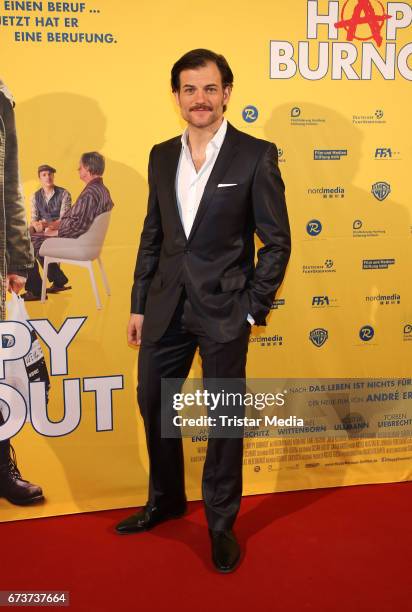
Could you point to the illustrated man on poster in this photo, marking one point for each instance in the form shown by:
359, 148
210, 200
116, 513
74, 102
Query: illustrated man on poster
16, 260
94, 200
196, 284
48, 205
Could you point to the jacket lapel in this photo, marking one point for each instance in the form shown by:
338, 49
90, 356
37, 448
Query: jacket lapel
170, 178
226, 154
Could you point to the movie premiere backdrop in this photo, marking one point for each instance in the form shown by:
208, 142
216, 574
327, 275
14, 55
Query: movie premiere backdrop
329, 82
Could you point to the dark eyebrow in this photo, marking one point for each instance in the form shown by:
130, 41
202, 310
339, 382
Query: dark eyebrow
208, 85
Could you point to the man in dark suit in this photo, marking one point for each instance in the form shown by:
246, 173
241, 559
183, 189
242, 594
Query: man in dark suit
196, 284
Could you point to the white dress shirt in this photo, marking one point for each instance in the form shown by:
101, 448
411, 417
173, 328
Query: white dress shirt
191, 184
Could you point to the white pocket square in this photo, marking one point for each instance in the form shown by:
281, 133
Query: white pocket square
227, 185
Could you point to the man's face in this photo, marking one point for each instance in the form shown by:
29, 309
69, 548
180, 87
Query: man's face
46, 178
201, 96
84, 173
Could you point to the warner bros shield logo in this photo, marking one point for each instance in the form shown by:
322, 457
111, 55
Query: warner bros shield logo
381, 190
318, 336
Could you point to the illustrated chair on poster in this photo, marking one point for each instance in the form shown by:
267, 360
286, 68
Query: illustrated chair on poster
80, 251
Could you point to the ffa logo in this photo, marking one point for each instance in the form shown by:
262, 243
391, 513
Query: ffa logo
381, 190
318, 336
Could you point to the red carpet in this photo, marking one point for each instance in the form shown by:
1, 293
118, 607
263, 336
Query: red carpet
346, 549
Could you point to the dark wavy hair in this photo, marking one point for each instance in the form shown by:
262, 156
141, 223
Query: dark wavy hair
198, 58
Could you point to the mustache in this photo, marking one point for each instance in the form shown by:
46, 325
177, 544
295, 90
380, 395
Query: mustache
200, 107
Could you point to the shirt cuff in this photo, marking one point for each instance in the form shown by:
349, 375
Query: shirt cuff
251, 319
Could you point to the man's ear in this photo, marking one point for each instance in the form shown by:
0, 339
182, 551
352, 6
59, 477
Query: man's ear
176, 95
226, 93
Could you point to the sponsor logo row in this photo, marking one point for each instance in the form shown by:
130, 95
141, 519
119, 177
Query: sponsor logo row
300, 118
314, 227
380, 190
328, 266
319, 336
327, 301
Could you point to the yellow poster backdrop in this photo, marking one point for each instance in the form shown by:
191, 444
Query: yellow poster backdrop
331, 88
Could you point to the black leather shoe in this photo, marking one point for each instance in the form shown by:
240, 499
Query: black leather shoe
12, 486
147, 518
225, 550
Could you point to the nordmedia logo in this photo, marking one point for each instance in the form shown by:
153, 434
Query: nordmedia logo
384, 300
265, 341
318, 336
327, 192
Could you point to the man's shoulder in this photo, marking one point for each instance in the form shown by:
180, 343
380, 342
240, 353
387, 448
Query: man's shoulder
167, 145
242, 139
61, 190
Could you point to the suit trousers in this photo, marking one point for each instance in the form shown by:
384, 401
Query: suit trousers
171, 357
